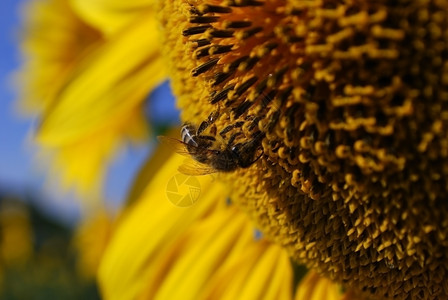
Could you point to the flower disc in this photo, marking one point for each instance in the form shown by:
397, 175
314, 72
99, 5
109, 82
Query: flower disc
350, 98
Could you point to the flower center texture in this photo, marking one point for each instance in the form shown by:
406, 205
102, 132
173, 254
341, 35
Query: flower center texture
345, 103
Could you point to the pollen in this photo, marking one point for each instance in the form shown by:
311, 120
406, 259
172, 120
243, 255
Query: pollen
352, 100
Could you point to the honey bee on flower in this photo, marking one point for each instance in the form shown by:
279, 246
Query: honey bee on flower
211, 153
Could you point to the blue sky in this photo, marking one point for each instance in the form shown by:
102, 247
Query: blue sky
17, 170
14, 161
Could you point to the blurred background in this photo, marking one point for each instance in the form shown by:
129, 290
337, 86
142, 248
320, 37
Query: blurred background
40, 226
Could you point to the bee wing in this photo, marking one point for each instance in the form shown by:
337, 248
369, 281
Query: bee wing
175, 144
194, 168
190, 166
181, 147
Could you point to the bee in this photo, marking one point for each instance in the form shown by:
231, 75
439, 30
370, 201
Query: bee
211, 154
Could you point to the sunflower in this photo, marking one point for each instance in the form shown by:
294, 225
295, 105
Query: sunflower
346, 102
334, 112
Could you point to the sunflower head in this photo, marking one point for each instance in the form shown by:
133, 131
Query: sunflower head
350, 98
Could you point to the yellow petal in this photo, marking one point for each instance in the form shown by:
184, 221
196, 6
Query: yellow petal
82, 164
315, 287
207, 245
145, 228
91, 89
16, 242
261, 271
151, 168
111, 16
106, 86
99, 105
46, 68
90, 240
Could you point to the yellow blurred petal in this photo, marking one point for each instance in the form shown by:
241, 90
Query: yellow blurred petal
261, 284
210, 242
98, 104
231, 276
106, 86
53, 40
151, 168
261, 271
83, 163
315, 287
279, 277
145, 228
111, 16
90, 240
218, 258
91, 89
16, 239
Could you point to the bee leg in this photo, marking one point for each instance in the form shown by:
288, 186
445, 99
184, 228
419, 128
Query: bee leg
273, 121
232, 139
205, 139
202, 127
210, 120
213, 130
254, 161
253, 122
245, 161
223, 132
244, 153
